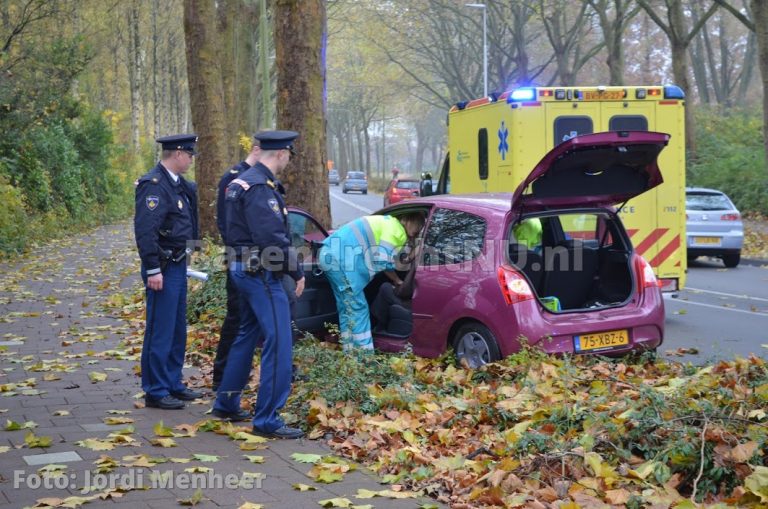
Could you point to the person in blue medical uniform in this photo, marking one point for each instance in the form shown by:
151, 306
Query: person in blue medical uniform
260, 252
352, 256
165, 225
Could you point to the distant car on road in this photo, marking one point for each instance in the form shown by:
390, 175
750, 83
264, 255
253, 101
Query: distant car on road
401, 189
333, 177
355, 181
713, 225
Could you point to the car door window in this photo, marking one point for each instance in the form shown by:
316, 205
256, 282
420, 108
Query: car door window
306, 234
453, 236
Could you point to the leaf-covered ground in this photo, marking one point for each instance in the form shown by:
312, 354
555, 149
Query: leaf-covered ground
756, 238
538, 431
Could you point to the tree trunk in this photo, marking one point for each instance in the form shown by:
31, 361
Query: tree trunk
227, 21
760, 16
300, 44
206, 94
155, 69
133, 71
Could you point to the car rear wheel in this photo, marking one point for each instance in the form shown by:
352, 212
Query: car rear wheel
344, 191
475, 344
732, 259
365, 192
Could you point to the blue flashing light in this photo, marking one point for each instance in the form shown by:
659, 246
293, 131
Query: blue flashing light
673, 92
523, 94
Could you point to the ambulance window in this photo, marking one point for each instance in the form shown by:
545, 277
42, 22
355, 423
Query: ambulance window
628, 123
482, 149
569, 127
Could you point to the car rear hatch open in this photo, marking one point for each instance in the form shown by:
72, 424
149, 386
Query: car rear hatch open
593, 170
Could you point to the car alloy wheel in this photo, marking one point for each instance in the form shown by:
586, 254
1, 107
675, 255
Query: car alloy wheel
476, 345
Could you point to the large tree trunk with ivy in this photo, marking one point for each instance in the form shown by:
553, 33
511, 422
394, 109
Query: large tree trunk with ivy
206, 93
300, 35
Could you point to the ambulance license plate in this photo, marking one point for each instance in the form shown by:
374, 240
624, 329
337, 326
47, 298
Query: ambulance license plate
594, 95
707, 241
601, 340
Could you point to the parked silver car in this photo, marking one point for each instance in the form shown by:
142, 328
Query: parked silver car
713, 225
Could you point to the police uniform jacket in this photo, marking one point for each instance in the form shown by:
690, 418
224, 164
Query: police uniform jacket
221, 210
166, 216
257, 218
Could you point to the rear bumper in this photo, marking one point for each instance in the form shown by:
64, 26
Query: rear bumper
729, 242
554, 333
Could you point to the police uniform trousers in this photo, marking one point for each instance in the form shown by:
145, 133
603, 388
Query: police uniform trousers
229, 330
165, 337
231, 325
264, 313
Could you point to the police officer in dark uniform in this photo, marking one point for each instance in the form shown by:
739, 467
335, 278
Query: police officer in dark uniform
166, 226
231, 322
260, 252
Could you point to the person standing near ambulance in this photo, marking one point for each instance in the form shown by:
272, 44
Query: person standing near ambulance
260, 252
352, 256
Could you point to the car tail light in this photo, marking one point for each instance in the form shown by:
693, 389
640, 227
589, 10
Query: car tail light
729, 217
514, 287
645, 276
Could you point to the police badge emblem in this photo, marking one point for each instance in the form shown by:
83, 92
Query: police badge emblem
152, 202
274, 205
180, 204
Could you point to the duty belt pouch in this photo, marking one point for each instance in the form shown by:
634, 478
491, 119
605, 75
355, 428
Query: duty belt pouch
165, 257
254, 262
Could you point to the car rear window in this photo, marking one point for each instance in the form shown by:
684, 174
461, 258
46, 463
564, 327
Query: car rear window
355, 175
707, 201
407, 184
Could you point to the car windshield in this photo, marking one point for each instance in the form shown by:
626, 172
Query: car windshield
407, 184
355, 175
707, 201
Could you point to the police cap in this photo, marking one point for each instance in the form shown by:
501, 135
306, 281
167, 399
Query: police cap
276, 140
184, 142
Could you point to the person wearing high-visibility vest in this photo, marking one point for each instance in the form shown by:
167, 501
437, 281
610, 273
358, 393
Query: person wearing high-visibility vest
352, 256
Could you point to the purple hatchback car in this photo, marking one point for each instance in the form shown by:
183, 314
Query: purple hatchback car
550, 265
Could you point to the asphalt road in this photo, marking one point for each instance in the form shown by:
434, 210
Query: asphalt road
721, 313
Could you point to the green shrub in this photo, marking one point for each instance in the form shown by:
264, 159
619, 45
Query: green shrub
730, 157
13, 217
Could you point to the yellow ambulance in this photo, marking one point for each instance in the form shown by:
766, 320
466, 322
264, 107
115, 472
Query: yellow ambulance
494, 142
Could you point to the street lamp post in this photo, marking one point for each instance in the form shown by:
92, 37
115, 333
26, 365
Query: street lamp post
484, 7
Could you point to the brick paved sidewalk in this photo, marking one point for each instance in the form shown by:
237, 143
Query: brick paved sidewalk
65, 374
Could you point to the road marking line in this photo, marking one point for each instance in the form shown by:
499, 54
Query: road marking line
352, 204
683, 302
726, 294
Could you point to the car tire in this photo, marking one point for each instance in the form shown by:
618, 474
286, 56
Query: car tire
732, 260
475, 343
365, 192
344, 191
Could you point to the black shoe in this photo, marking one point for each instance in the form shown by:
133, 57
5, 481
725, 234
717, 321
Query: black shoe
187, 395
284, 432
215, 386
241, 415
166, 403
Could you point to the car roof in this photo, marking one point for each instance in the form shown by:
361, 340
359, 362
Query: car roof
702, 190
499, 202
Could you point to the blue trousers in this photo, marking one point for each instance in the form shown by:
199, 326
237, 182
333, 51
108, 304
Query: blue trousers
264, 313
165, 336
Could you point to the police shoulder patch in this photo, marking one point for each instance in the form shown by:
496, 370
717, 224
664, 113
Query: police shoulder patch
152, 202
274, 205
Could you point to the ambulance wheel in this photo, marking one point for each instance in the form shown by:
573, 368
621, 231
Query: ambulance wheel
475, 344
732, 260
